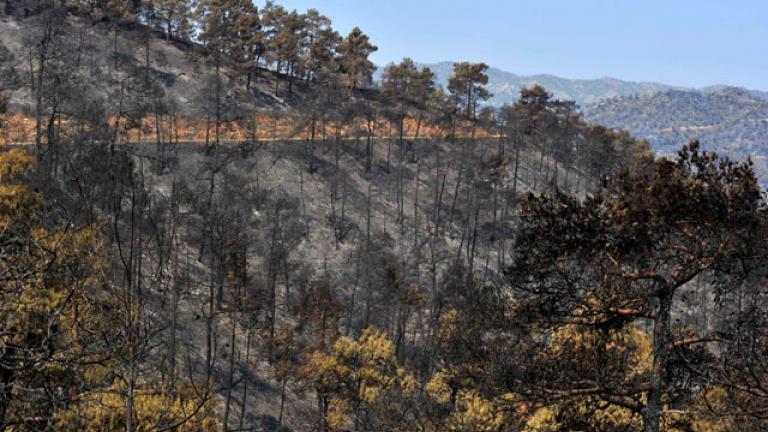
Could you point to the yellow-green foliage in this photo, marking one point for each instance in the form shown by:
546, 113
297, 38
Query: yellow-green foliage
45, 269
627, 348
337, 416
473, 413
51, 304
103, 411
706, 414
716, 400
544, 420
13, 163
17, 203
586, 411
438, 389
359, 371
56, 310
450, 324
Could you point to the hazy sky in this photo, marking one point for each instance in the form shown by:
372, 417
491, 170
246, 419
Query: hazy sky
682, 42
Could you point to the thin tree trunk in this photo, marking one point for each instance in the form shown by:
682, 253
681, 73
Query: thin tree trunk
231, 370
456, 193
416, 209
42, 59
245, 380
661, 340
282, 402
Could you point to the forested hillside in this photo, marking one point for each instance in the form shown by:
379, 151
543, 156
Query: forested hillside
212, 218
506, 86
728, 120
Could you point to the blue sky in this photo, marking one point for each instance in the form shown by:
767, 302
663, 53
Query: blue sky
681, 42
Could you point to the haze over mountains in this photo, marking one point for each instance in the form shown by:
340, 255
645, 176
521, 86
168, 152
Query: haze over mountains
506, 86
728, 119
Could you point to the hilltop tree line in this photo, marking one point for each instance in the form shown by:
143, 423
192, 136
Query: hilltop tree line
301, 46
538, 274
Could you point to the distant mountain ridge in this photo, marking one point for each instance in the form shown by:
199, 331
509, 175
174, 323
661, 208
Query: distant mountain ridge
720, 87
505, 86
729, 120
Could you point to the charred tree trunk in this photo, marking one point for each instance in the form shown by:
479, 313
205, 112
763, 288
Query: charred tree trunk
661, 342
